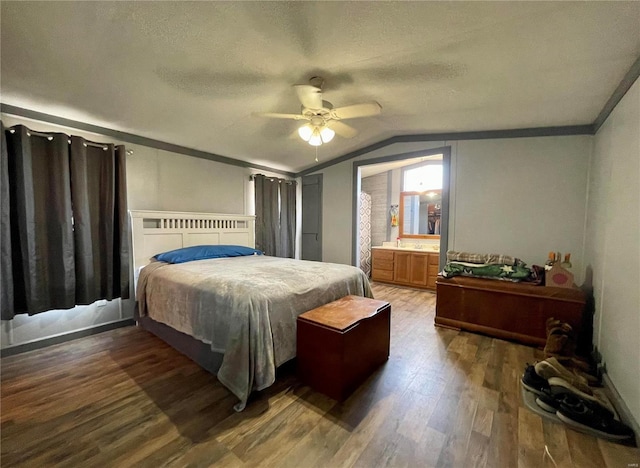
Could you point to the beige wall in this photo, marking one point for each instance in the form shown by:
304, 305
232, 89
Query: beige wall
613, 246
520, 196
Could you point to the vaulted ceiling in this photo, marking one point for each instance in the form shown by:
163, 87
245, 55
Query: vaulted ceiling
192, 73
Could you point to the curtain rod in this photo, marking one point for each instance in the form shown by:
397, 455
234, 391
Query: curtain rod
286, 181
49, 136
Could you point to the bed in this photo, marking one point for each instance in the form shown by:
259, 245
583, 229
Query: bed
235, 316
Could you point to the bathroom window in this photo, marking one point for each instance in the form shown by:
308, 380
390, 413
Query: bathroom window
421, 178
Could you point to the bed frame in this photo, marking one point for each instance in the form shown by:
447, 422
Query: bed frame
154, 232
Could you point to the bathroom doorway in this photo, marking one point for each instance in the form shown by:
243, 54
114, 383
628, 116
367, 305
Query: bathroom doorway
383, 180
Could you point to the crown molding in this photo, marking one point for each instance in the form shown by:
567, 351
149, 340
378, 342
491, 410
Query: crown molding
478, 135
135, 139
627, 82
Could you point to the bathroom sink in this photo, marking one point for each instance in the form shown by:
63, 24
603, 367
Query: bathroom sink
426, 248
413, 248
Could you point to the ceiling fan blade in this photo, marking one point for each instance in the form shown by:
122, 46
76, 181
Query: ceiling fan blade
275, 115
357, 110
342, 129
310, 96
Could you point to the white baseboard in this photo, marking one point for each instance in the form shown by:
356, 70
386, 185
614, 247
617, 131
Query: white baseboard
621, 407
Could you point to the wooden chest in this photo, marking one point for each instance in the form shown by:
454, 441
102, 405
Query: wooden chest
511, 311
340, 344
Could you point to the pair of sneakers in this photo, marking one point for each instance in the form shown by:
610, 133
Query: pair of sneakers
556, 375
577, 409
552, 368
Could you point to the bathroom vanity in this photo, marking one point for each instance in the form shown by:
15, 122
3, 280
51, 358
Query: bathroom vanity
415, 264
405, 266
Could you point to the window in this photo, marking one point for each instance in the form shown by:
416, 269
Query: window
424, 177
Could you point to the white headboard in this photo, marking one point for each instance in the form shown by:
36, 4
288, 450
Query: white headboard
154, 232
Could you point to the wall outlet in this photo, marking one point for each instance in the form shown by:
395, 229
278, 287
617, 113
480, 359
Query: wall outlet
101, 303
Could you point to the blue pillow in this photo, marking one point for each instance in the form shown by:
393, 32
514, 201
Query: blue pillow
201, 252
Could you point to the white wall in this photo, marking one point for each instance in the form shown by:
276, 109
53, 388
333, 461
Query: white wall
156, 180
521, 196
613, 245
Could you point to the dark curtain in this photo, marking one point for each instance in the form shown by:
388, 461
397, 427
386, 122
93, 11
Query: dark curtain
100, 225
286, 245
275, 215
267, 222
6, 273
67, 222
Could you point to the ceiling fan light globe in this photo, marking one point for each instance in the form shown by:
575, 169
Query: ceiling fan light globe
327, 134
315, 140
305, 132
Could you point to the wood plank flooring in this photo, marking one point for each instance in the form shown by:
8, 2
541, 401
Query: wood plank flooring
444, 399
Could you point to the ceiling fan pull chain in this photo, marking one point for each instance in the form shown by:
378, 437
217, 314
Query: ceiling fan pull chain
316, 154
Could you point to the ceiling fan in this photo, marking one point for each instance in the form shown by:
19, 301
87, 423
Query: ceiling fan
323, 120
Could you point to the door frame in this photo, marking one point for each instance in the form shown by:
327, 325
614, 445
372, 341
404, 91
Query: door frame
446, 183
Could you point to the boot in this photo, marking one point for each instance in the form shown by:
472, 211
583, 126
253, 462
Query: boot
561, 340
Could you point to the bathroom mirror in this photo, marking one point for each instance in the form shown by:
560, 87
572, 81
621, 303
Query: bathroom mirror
420, 214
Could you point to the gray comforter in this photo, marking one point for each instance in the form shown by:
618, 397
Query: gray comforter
244, 307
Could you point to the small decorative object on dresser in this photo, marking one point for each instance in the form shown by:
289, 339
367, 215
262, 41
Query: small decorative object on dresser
558, 277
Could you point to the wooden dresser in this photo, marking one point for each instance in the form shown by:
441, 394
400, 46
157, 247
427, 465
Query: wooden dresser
511, 311
405, 267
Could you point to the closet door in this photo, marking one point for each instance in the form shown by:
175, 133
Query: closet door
312, 217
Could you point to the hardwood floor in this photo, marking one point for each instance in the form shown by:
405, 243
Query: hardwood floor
444, 398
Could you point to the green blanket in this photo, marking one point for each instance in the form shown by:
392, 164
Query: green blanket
497, 271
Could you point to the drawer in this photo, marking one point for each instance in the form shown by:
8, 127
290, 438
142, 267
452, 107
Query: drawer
382, 275
434, 259
383, 264
379, 254
431, 282
433, 271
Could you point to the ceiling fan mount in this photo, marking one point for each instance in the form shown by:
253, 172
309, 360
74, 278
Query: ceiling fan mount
324, 120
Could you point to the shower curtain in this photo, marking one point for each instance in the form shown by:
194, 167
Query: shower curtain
365, 233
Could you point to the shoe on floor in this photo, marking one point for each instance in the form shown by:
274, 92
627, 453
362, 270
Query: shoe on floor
581, 368
556, 342
552, 368
560, 386
561, 396
585, 418
533, 382
548, 403
560, 338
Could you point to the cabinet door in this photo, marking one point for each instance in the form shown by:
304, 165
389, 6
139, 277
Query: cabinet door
382, 265
418, 270
432, 270
402, 267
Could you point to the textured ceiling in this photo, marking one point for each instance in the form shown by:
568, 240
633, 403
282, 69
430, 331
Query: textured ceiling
191, 73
